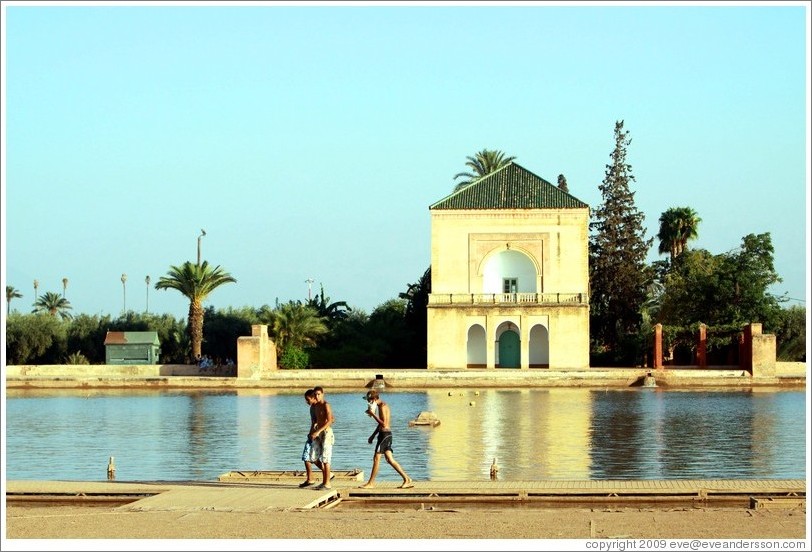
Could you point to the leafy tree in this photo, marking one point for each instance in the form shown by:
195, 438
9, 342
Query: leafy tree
390, 334
748, 274
173, 336
223, 328
294, 358
11, 293
689, 288
195, 282
617, 251
348, 344
34, 339
53, 304
86, 333
790, 334
562, 183
483, 163
416, 318
729, 289
677, 226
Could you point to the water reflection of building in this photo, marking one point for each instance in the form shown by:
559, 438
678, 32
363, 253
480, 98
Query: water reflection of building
534, 434
564, 428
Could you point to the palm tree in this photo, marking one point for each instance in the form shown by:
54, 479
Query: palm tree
11, 293
677, 226
483, 163
36, 286
195, 282
53, 303
330, 311
669, 234
64, 286
295, 324
417, 294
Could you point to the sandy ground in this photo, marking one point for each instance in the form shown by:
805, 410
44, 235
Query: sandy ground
409, 522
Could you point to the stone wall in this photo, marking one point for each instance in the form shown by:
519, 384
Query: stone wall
103, 370
256, 354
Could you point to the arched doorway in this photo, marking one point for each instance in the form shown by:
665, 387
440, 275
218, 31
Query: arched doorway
539, 349
509, 350
476, 347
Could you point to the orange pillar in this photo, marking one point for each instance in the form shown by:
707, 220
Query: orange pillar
702, 347
658, 346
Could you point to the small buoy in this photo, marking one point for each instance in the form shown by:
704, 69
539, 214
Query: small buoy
494, 469
472, 403
460, 394
450, 393
476, 393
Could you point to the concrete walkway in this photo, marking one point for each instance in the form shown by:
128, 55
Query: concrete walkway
286, 495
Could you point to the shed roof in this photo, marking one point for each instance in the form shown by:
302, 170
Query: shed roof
511, 187
129, 338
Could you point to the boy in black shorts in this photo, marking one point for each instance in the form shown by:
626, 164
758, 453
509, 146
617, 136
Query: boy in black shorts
379, 410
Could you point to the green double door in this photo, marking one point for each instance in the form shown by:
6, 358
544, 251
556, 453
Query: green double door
509, 350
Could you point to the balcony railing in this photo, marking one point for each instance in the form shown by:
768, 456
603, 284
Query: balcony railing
507, 298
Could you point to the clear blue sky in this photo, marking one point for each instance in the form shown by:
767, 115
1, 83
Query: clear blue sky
309, 141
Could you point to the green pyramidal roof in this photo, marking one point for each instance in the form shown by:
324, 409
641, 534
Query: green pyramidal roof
511, 187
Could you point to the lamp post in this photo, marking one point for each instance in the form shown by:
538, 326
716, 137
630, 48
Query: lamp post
64, 286
200, 237
147, 280
36, 286
309, 283
124, 287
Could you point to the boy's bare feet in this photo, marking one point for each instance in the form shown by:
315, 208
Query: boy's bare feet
367, 486
407, 484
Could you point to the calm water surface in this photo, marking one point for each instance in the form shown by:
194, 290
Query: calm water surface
535, 434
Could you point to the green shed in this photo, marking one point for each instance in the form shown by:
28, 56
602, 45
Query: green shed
132, 348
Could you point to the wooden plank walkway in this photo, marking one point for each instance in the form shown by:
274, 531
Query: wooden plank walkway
271, 476
286, 495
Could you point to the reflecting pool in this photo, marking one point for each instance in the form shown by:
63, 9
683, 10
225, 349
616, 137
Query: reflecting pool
535, 434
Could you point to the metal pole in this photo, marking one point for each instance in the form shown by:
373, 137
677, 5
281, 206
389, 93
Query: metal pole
147, 280
202, 233
124, 287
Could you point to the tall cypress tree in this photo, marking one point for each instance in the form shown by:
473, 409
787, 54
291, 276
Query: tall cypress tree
617, 258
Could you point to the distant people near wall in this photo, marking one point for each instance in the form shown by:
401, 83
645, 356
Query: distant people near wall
204, 363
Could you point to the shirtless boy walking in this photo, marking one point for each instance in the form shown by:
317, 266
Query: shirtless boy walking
322, 435
307, 453
380, 411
